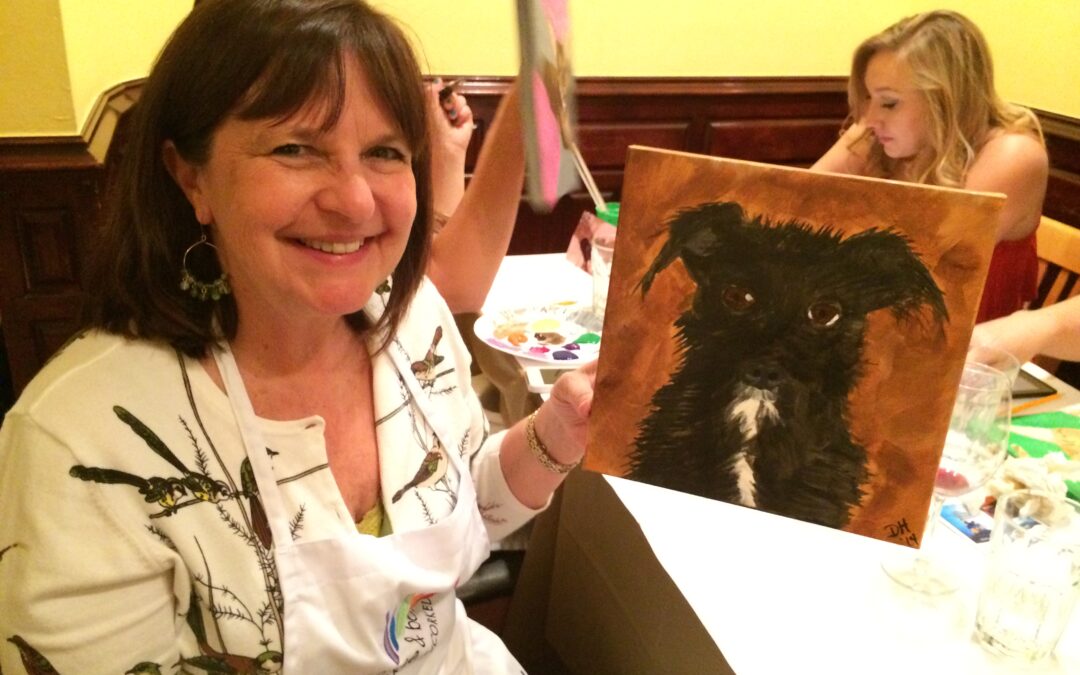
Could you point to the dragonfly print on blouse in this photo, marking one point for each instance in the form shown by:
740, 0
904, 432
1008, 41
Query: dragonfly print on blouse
179, 486
172, 493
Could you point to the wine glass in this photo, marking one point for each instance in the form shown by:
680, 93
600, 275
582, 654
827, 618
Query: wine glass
975, 447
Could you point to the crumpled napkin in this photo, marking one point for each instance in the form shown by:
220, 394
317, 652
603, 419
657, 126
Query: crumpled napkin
1047, 473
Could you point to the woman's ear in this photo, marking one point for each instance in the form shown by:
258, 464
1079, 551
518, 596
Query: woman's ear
186, 176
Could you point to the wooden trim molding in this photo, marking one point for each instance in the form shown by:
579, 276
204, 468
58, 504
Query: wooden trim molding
51, 187
101, 126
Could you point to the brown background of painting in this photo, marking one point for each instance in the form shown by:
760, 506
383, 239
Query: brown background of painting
900, 408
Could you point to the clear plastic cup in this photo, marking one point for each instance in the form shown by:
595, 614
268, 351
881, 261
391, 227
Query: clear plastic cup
1032, 575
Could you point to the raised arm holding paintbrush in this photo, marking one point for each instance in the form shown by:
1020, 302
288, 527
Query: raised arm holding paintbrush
476, 222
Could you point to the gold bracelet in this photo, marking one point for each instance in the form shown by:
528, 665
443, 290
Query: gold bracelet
540, 451
441, 219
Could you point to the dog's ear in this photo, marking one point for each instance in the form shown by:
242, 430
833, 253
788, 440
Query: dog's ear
693, 235
890, 274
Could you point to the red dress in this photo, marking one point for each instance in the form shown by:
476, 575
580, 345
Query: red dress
1011, 280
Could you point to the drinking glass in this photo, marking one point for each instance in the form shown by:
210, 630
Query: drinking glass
975, 447
1032, 575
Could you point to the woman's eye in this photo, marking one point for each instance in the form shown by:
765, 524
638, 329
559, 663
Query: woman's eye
889, 105
289, 150
737, 298
823, 314
389, 153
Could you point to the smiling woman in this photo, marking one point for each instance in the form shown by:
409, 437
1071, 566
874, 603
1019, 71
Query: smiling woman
923, 109
269, 426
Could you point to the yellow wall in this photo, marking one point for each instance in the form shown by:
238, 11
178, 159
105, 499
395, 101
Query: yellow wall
113, 41
60, 75
34, 86
1034, 43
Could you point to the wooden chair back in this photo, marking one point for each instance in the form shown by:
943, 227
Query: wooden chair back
1058, 248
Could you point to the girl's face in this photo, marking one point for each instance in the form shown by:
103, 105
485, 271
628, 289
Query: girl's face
307, 221
897, 112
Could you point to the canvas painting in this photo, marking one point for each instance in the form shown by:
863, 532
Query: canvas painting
547, 101
786, 340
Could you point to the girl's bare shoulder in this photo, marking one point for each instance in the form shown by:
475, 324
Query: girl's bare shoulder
1012, 147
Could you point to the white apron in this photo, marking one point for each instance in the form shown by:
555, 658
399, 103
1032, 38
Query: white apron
362, 604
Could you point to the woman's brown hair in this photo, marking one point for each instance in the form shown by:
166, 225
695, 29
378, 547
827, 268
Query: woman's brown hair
252, 59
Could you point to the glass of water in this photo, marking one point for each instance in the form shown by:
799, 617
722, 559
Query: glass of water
1032, 575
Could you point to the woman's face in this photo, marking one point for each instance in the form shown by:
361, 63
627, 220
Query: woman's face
896, 111
308, 222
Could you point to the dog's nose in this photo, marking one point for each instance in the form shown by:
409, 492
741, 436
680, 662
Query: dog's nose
762, 376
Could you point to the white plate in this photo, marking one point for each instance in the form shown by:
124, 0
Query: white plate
564, 333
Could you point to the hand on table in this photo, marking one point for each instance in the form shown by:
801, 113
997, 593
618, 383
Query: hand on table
1019, 334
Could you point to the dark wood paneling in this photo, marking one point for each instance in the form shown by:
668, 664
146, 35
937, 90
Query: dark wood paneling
35, 326
1063, 190
43, 236
791, 142
50, 187
46, 221
605, 143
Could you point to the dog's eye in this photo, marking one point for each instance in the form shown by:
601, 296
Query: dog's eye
737, 298
823, 314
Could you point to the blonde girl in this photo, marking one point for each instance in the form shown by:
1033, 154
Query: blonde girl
923, 109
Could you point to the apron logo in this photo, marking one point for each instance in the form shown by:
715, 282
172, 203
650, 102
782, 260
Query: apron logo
397, 620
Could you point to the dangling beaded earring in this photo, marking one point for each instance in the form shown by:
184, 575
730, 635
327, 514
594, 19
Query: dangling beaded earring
201, 290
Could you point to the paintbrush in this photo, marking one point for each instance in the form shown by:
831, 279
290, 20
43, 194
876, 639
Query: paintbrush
1032, 404
587, 179
448, 90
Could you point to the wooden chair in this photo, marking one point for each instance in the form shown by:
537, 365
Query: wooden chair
1059, 262
1059, 269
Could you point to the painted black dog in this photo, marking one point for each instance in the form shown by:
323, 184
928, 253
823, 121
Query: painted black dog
772, 346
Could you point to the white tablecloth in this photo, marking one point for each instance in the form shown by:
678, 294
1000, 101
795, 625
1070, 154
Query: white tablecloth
782, 596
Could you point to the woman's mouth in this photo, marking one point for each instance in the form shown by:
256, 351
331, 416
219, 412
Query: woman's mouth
334, 247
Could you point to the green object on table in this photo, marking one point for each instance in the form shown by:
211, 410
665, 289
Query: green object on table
1035, 447
1032, 447
610, 214
1050, 420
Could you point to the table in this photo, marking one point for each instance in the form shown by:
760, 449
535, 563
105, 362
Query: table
778, 595
1068, 401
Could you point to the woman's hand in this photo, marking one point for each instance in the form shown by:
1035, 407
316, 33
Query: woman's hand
563, 420
452, 119
560, 424
451, 122
1020, 334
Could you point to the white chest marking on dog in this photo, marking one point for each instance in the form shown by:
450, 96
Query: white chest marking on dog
744, 475
750, 408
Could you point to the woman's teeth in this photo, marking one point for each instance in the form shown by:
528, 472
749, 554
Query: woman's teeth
336, 247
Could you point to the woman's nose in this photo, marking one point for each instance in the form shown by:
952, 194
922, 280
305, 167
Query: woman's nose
349, 194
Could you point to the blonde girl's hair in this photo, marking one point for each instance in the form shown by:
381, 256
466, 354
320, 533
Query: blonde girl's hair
951, 65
